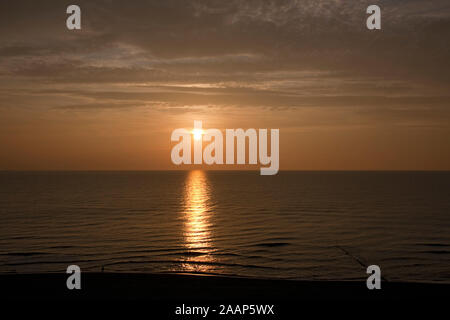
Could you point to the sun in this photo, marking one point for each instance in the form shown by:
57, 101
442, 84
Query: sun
197, 133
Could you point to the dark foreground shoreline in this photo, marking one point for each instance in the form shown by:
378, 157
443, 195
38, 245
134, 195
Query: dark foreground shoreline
162, 296
187, 288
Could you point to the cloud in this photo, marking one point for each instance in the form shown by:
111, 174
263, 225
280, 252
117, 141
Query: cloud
269, 54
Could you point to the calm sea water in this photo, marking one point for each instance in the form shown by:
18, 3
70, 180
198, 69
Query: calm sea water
295, 225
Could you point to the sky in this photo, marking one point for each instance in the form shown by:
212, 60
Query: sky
108, 96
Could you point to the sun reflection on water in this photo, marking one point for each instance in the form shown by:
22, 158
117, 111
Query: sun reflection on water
197, 224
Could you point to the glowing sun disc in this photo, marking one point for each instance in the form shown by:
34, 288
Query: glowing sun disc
197, 134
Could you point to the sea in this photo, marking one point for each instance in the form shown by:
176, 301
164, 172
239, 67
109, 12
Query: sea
294, 225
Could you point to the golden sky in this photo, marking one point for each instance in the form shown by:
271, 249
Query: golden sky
108, 96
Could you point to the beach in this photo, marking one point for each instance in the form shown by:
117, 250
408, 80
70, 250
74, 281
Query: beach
187, 288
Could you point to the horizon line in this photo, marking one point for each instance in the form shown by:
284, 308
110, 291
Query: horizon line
222, 170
